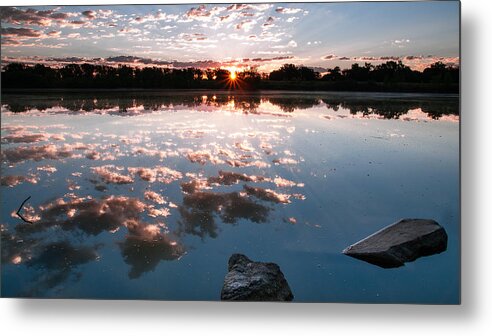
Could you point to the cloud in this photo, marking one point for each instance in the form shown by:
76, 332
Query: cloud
10, 42
31, 16
402, 43
416, 62
412, 57
136, 61
53, 33
245, 25
329, 57
124, 59
389, 58
230, 178
290, 44
273, 52
145, 246
57, 262
13, 180
21, 32
129, 31
292, 19
203, 156
318, 69
23, 136
78, 23
159, 16
366, 58
267, 36
168, 27
89, 14
104, 13
160, 174
109, 175
246, 7
256, 60
38, 153
269, 23
95, 155
237, 7
193, 37
19, 137
285, 161
201, 13
267, 194
199, 207
154, 197
215, 17
74, 36
283, 10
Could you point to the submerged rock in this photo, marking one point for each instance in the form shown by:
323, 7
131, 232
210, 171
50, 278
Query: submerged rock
401, 242
254, 281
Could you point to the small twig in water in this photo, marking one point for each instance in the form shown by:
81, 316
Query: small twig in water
20, 208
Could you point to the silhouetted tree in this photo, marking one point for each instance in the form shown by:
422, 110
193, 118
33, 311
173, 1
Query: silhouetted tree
17, 75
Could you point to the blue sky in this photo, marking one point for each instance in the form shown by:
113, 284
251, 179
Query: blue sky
261, 35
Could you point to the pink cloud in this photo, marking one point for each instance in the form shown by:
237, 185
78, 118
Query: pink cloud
109, 175
31, 16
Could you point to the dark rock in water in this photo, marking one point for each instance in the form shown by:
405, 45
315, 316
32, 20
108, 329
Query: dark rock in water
254, 281
401, 242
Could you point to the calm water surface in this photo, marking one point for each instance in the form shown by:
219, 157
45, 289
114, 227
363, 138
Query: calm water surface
145, 195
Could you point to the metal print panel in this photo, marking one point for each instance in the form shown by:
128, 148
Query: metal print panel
304, 152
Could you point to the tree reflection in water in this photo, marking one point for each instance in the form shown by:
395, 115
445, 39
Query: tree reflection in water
133, 103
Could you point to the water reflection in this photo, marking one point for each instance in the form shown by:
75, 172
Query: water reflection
199, 206
144, 246
53, 263
56, 263
394, 109
13, 180
15, 250
37, 153
137, 103
149, 186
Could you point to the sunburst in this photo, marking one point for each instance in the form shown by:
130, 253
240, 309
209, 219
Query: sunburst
234, 82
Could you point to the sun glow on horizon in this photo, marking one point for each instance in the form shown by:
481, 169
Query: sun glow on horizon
233, 75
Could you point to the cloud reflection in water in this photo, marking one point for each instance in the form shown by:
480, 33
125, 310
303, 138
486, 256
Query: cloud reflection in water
216, 173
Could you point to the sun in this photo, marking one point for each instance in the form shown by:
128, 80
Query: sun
234, 80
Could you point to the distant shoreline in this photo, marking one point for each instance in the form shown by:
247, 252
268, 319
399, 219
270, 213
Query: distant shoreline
387, 77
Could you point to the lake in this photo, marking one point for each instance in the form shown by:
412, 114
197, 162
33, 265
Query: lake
145, 195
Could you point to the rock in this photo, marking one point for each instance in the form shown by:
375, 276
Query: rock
401, 242
254, 281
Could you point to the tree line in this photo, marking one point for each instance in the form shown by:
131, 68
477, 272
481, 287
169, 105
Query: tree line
18, 75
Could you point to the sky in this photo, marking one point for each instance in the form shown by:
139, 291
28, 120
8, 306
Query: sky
263, 36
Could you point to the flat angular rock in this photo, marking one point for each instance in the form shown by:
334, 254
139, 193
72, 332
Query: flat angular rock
254, 281
400, 242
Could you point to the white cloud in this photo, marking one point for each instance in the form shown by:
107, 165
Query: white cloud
291, 44
284, 10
